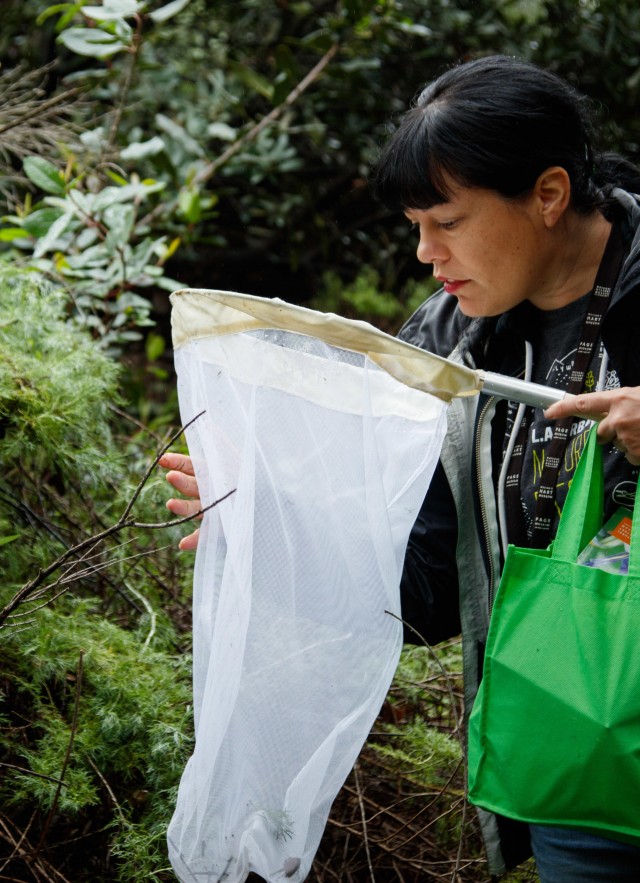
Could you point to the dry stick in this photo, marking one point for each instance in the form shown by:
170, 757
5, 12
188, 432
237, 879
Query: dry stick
41, 107
123, 522
136, 422
402, 824
365, 836
447, 677
28, 772
65, 581
389, 850
11, 839
126, 85
252, 133
271, 117
109, 790
452, 698
156, 460
456, 869
397, 871
408, 822
67, 757
71, 574
431, 822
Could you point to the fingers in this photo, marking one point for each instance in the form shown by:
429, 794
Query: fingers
617, 412
179, 462
183, 483
606, 432
190, 542
181, 476
593, 405
184, 508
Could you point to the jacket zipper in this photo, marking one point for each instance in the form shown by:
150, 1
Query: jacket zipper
483, 513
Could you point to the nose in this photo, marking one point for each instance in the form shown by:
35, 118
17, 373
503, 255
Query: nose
431, 249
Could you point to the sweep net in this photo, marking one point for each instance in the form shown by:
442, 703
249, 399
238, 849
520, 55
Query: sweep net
296, 575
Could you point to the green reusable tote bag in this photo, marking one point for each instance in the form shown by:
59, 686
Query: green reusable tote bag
554, 734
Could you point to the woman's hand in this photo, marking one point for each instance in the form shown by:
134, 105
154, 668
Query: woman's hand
618, 413
182, 478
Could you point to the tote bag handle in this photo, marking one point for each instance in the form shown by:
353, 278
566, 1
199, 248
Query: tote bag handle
582, 514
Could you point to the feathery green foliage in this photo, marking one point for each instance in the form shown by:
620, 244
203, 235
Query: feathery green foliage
128, 740
55, 384
95, 692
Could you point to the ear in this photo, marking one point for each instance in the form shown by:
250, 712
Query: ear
553, 194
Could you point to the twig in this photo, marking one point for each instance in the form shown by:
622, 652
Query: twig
28, 772
10, 838
40, 109
108, 788
125, 521
128, 79
148, 608
205, 173
447, 677
156, 460
67, 757
136, 422
365, 837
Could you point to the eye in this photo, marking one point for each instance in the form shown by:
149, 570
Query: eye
448, 225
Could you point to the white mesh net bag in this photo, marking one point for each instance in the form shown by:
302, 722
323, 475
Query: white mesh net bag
296, 575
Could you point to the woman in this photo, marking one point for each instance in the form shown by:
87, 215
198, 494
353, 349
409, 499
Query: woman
495, 167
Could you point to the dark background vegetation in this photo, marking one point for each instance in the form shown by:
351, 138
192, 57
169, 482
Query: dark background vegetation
146, 146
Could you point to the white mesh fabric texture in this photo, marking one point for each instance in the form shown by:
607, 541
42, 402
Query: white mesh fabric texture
294, 649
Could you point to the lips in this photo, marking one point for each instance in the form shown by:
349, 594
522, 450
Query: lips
452, 286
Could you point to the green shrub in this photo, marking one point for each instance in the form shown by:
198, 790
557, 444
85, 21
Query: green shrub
95, 689
127, 741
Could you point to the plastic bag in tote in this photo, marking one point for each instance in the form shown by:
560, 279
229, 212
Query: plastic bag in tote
329, 458
554, 735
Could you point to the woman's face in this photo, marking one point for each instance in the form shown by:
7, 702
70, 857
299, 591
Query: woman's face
487, 251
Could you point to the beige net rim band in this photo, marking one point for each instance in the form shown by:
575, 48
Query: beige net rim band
199, 312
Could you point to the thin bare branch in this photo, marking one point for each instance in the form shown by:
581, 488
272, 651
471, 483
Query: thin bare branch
363, 815
161, 453
67, 757
445, 673
209, 170
88, 545
28, 772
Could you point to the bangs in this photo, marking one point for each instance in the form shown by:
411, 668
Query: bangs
407, 175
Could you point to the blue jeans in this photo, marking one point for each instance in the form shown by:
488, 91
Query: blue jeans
564, 855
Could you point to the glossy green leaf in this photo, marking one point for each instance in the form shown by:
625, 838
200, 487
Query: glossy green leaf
253, 79
113, 10
8, 234
142, 149
190, 205
155, 345
39, 222
92, 42
44, 174
67, 10
168, 11
119, 218
53, 234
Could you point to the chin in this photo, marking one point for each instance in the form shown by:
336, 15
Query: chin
477, 311
472, 311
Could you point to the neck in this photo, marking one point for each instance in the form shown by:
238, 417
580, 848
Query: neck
577, 246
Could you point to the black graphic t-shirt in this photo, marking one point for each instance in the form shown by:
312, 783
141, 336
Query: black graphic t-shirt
554, 335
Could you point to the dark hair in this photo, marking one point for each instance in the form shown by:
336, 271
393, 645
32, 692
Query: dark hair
496, 123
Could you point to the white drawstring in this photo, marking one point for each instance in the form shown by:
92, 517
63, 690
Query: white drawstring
502, 515
602, 375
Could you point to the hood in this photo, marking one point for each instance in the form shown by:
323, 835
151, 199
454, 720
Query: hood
628, 205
